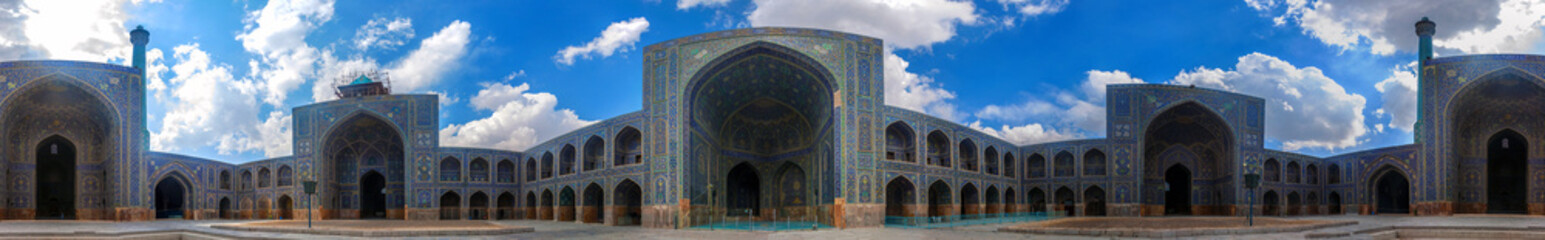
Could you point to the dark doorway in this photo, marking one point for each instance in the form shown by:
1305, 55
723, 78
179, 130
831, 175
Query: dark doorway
477, 206
225, 208
970, 203
450, 206
169, 198
745, 191
286, 207
629, 201
1094, 201
1507, 171
1392, 193
1177, 199
594, 204
898, 196
506, 204
938, 199
1037, 200
531, 205
1067, 201
1335, 203
1270, 205
55, 197
372, 196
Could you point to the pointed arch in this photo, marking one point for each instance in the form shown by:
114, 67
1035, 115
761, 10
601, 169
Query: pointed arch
900, 143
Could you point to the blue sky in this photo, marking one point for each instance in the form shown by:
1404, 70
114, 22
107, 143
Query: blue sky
224, 74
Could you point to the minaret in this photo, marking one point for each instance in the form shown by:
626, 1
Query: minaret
139, 37
1424, 30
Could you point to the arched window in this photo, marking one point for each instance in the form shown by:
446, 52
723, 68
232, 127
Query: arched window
547, 165
1036, 167
595, 150
450, 169
1094, 163
1312, 174
263, 177
968, 155
566, 166
286, 176
1292, 172
530, 169
1333, 174
990, 160
506, 170
246, 179
628, 150
1064, 165
478, 169
1008, 164
938, 149
899, 142
225, 180
1273, 171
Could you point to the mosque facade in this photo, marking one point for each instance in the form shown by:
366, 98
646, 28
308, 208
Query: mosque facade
770, 124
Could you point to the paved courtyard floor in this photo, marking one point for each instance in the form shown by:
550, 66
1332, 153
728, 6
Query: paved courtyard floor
569, 230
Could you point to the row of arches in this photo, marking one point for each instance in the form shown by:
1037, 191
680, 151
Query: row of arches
900, 146
626, 150
626, 208
1272, 204
901, 200
1273, 172
450, 170
286, 177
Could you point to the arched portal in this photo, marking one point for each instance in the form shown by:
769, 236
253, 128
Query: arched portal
1199, 141
450, 206
365, 154
171, 197
372, 201
1484, 114
546, 211
1094, 201
1507, 173
1391, 192
900, 142
1177, 198
1271, 204
939, 199
506, 206
477, 206
595, 201
744, 191
1335, 202
225, 208
761, 104
566, 205
628, 203
1037, 199
63, 113
531, 208
1009, 205
993, 206
970, 201
1066, 201
1294, 204
56, 167
899, 197
286, 207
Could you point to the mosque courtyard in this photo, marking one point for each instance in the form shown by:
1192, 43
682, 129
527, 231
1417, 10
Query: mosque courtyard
1365, 227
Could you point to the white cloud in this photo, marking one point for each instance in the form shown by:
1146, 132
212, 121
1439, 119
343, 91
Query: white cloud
618, 37
278, 33
515, 74
519, 119
1306, 109
1023, 135
1036, 7
1481, 26
434, 57
383, 34
916, 92
155, 71
31, 30
333, 69
445, 98
1399, 95
903, 23
210, 107
689, 4
1086, 112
